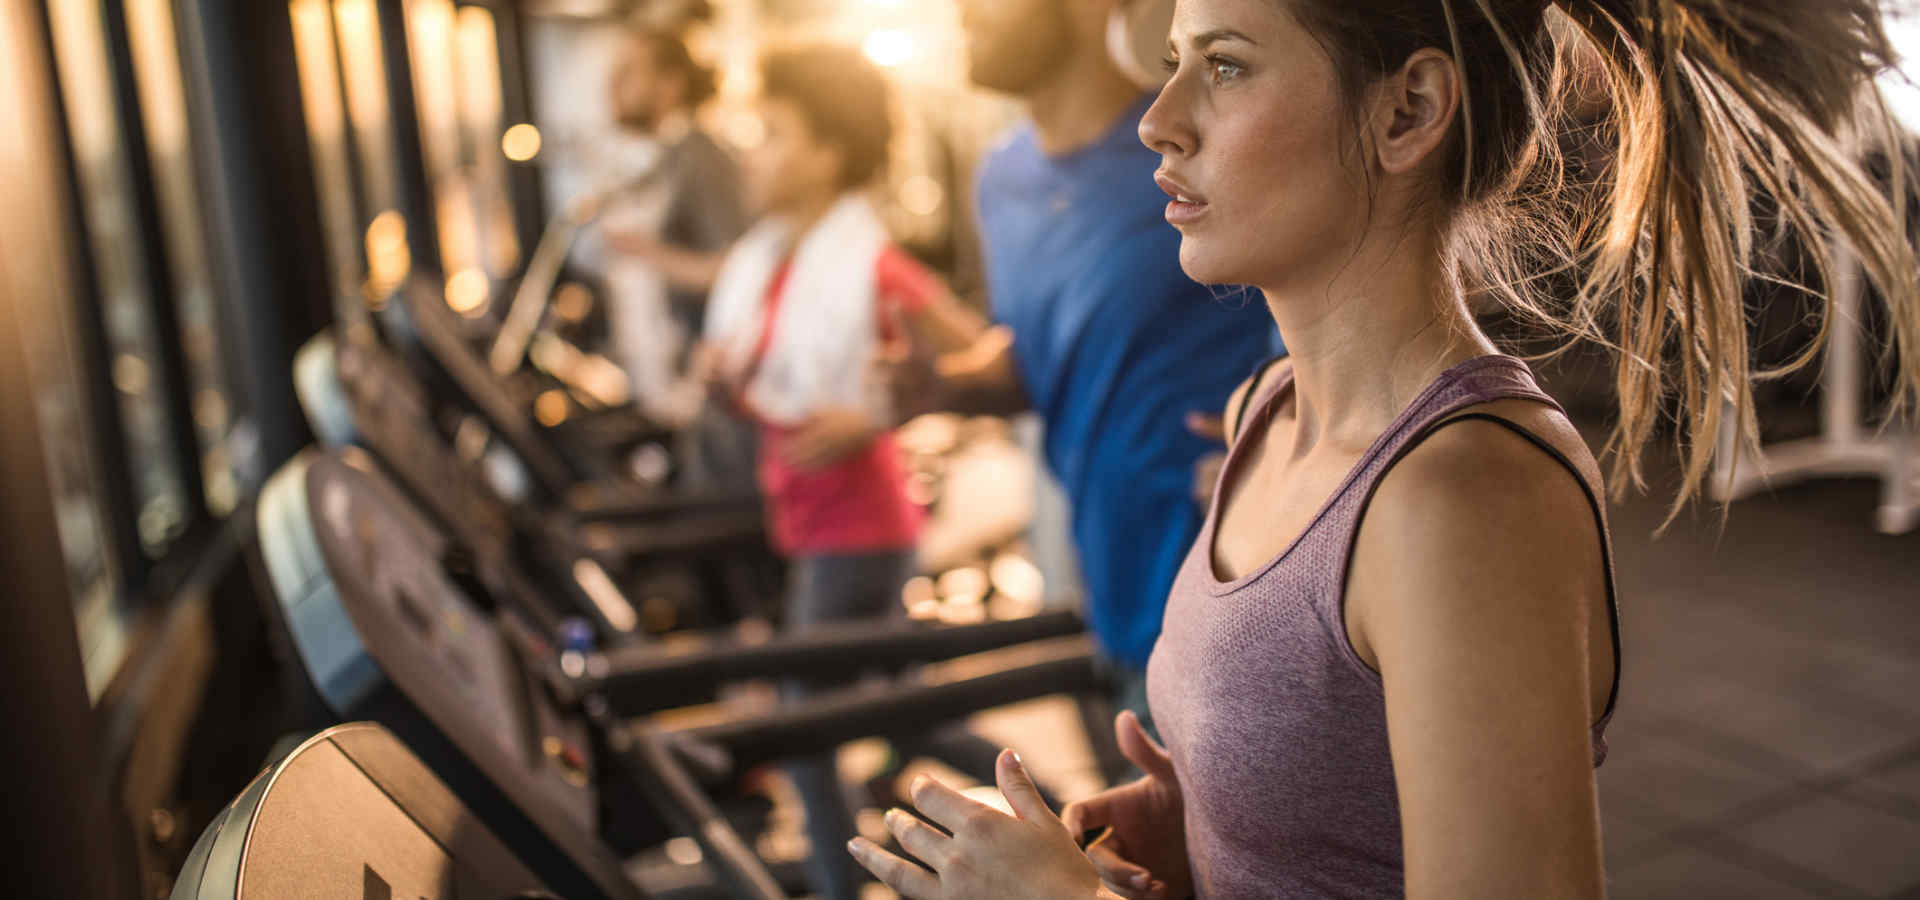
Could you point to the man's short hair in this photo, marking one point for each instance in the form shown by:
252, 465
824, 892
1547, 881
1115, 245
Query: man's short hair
670, 55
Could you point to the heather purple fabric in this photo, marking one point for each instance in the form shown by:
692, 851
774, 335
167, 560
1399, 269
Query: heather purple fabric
1277, 729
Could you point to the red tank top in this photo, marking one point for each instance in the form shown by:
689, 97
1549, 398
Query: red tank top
860, 503
1277, 728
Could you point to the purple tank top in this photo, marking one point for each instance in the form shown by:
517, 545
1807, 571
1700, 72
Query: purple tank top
1277, 729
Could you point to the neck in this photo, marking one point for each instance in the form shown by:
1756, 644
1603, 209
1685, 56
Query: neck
1367, 340
673, 126
1080, 103
805, 212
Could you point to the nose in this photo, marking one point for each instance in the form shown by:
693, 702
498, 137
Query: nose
1167, 128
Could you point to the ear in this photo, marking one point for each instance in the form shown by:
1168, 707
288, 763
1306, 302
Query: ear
1414, 111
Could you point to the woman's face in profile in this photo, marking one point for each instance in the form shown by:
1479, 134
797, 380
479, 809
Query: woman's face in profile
1259, 152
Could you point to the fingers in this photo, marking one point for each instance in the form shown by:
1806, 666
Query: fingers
910, 880
1018, 787
1093, 812
1211, 427
1127, 878
918, 837
1140, 748
945, 806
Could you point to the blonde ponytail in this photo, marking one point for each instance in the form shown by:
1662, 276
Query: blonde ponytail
1712, 103
1611, 156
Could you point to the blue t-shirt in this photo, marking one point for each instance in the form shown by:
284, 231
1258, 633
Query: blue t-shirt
1115, 346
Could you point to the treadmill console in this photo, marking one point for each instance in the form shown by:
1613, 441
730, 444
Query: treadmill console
385, 634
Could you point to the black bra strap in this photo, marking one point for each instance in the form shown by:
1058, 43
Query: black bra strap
1253, 387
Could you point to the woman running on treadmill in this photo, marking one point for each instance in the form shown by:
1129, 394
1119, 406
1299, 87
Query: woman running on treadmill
1391, 654
802, 307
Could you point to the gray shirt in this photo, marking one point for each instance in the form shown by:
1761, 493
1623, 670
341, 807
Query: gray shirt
705, 211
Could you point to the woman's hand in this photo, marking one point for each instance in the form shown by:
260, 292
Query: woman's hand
989, 855
1144, 857
829, 436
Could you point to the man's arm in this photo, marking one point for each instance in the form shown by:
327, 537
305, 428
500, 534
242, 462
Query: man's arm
952, 360
982, 379
684, 268
711, 215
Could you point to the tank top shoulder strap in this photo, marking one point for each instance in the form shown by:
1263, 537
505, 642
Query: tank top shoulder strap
1478, 382
1451, 400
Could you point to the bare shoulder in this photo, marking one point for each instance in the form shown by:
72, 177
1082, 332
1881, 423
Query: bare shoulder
1479, 481
1480, 524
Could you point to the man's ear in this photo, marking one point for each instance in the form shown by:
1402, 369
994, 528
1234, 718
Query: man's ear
1414, 111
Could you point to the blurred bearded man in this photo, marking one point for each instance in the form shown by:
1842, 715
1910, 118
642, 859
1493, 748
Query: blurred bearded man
1096, 328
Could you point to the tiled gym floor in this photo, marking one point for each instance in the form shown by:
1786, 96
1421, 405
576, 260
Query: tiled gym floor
1768, 739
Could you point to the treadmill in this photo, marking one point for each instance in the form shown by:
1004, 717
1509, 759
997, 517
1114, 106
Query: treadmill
357, 392
539, 740
351, 812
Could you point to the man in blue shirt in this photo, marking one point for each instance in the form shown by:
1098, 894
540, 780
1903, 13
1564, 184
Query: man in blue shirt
1098, 330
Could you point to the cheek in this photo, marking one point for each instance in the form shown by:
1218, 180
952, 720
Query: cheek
1293, 160
763, 170
1290, 185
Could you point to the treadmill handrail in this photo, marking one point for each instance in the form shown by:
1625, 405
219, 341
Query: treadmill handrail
677, 794
639, 678
697, 535
439, 333
820, 724
597, 501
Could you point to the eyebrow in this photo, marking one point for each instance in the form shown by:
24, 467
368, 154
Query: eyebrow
1217, 35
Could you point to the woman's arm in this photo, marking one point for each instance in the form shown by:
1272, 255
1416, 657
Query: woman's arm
1475, 575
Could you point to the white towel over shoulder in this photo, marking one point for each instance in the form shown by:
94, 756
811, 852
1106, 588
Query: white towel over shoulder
824, 333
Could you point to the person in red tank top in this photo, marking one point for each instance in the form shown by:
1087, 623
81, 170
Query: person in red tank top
803, 305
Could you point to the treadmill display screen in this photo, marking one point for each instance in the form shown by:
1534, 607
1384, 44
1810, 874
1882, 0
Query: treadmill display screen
447, 634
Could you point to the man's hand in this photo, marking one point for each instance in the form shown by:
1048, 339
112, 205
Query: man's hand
906, 370
948, 359
1206, 470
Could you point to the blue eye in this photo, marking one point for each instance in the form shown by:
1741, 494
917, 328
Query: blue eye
1225, 70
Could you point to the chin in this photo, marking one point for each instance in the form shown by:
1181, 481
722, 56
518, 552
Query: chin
1002, 78
1207, 266
1018, 62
